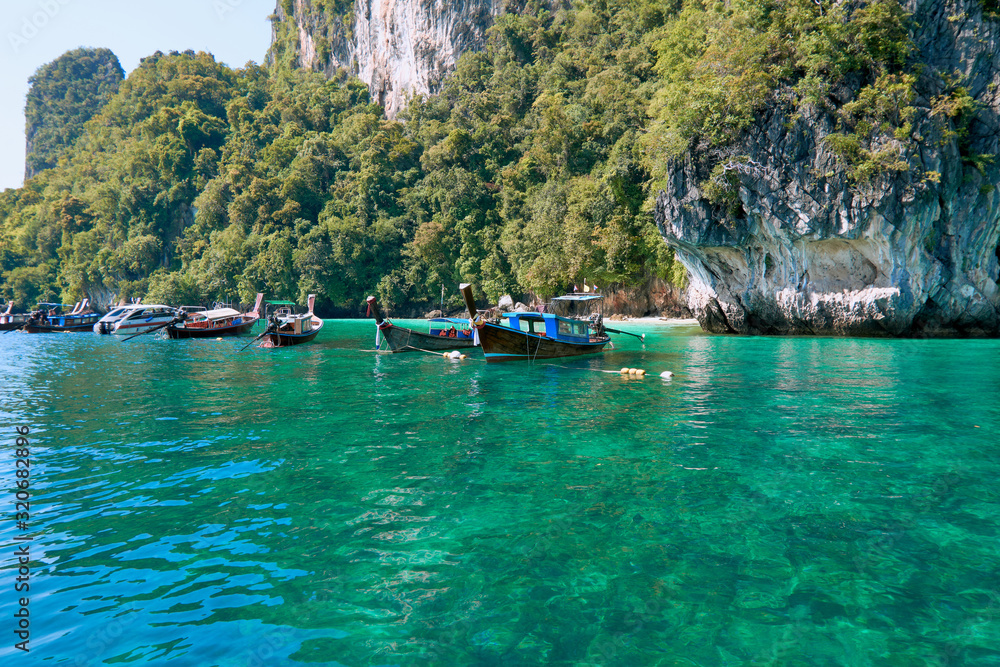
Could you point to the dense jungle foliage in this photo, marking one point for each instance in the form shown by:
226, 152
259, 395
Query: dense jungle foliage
533, 169
64, 95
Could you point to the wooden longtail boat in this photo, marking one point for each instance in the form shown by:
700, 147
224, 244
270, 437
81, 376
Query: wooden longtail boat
444, 333
215, 323
49, 320
530, 335
285, 328
10, 321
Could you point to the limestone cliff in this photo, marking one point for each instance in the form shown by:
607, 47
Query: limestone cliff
805, 249
397, 47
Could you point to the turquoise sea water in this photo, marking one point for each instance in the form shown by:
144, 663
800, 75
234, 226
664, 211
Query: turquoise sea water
780, 501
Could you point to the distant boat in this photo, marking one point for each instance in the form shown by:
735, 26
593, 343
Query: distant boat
531, 335
10, 321
214, 323
135, 318
444, 333
48, 319
285, 328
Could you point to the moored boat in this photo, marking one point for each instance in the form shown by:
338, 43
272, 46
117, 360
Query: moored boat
10, 320
531, 335
48, 319
285, 328
135, 318
214, 323
444, 333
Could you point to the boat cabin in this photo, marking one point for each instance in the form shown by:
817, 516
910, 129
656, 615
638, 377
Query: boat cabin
149, 313
19, 318
450, 327
80, 315
548, 324
213, 319
296, 324
72, 320
7, 317
289, 322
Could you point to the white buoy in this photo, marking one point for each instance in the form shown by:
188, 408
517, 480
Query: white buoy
666, 375
455, 354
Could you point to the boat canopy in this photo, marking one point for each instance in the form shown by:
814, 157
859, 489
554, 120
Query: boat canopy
217, 314
456, 322
547, 324
281, 303
524, 314
578, 297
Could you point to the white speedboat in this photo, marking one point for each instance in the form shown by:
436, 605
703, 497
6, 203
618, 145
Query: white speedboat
135, 318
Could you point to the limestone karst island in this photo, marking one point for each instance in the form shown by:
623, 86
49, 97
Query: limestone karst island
776, 168
505, 333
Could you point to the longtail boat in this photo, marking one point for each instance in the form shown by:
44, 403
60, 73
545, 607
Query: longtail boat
285, 328
48, 319
443, 333
532, 335
214, 323
10, 321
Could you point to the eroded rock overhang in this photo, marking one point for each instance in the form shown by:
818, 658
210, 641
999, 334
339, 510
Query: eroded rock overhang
806, 250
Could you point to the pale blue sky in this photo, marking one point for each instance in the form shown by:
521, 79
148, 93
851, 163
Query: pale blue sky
35, 32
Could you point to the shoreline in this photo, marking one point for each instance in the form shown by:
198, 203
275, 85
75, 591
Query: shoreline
655, 320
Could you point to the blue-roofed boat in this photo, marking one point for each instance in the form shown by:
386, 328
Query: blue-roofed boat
48, 319
528, 335
443, 333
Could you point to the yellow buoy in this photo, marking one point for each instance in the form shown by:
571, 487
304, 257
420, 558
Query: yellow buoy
631, 371
640, 372
624, 371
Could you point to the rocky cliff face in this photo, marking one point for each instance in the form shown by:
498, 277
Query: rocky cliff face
397, 47
805, 250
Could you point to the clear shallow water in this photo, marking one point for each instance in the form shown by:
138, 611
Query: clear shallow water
779, 502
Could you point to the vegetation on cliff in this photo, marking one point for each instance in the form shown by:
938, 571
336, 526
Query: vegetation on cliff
64, 95
532, 170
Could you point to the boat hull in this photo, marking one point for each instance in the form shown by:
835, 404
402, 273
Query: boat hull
506, 344
137, 328
179, 331
401, 339
287, 339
